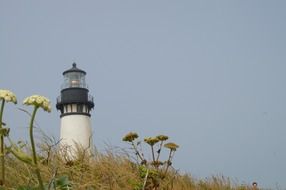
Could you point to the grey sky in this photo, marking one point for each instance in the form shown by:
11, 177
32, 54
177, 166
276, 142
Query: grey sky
210, 74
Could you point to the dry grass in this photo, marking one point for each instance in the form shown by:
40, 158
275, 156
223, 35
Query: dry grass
111, 170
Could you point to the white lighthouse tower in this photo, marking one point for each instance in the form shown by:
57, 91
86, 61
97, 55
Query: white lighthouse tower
75, 105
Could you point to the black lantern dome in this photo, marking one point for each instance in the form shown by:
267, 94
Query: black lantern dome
74, 98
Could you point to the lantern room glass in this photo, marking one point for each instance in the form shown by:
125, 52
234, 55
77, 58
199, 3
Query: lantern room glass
74, 80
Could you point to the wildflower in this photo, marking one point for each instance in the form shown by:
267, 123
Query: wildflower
151, 140
38, 101
130, 137
162, 137
8, 96
43, 102
5, 96
171, 146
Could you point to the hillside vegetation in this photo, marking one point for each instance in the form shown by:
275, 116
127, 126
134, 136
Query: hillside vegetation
112, 170
25, 166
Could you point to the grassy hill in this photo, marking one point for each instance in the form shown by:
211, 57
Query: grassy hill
111, 170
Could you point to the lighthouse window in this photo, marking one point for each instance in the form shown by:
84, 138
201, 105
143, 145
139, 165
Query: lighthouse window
79, 108
74, 107
71, 108
74, 80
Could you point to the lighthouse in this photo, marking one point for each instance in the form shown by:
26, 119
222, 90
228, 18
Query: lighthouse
75, 105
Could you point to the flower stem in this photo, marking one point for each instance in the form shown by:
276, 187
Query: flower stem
153, 154
2, 179
159, 151
136, 151
168, 162
34, 149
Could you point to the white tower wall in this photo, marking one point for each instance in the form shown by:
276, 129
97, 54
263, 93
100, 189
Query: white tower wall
76, 131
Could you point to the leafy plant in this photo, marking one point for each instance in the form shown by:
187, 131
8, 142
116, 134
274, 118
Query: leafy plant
5, 96
36, 101
153, 171
61, 183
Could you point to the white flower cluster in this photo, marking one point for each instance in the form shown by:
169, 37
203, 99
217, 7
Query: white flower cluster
38, 101
8, 96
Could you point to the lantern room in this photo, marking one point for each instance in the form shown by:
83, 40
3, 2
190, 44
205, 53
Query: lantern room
74, 78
